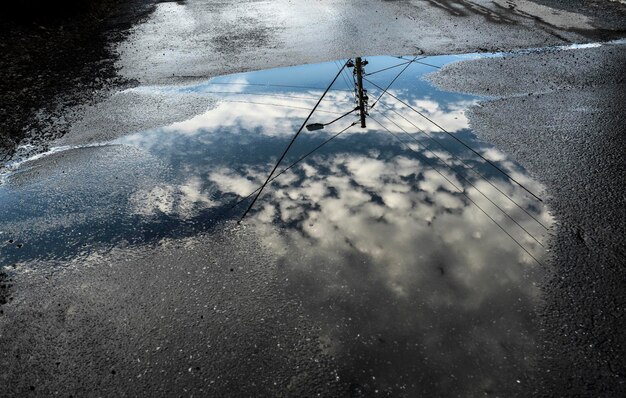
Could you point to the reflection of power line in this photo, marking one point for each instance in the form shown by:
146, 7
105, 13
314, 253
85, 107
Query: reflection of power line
270, 85
423, 63
291, 142
467, 180
384, 69
281, 105
472, 168
386, 90
394, 79
391, 67
350, 77
265, 95
297, 161
346, 79
459, 140
343, 75
319, 126
358, 69
460, 191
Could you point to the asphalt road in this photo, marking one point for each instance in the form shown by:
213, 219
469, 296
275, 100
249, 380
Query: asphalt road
565, 122
108, 322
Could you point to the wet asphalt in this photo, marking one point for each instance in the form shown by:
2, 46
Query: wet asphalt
565, 122
124, 322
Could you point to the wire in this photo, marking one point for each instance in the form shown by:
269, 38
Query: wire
462, 192
346, 78
389, 85
457, 139
355, 91
343, 76
390, 67
431, 65
280, 105
296, 162
430, 137
384, 69
347, 75
260, 94
265, 85
291, 142
464, 178
423, 63
340, 117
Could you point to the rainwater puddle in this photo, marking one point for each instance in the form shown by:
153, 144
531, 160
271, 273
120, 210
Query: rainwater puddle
418, 258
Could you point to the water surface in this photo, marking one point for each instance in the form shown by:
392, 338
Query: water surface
416, 257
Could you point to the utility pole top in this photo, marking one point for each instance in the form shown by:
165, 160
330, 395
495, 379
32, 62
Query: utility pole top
359, 81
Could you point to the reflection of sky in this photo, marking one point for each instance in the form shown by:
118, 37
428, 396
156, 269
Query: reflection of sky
416, 291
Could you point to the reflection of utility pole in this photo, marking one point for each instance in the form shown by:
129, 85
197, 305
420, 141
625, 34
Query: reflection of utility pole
359, 82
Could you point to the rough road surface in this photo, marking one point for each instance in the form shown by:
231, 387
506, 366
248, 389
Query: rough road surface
192, 316
124, 321
55, 68
565, 121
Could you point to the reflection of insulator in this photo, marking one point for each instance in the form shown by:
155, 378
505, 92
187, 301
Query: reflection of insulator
350, 64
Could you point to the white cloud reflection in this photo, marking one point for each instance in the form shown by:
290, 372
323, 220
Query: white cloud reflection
184, 200
270, 115
280, 114
377, 244
405, 277
422, 264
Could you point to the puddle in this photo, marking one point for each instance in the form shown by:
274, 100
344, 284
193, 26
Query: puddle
381, 233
